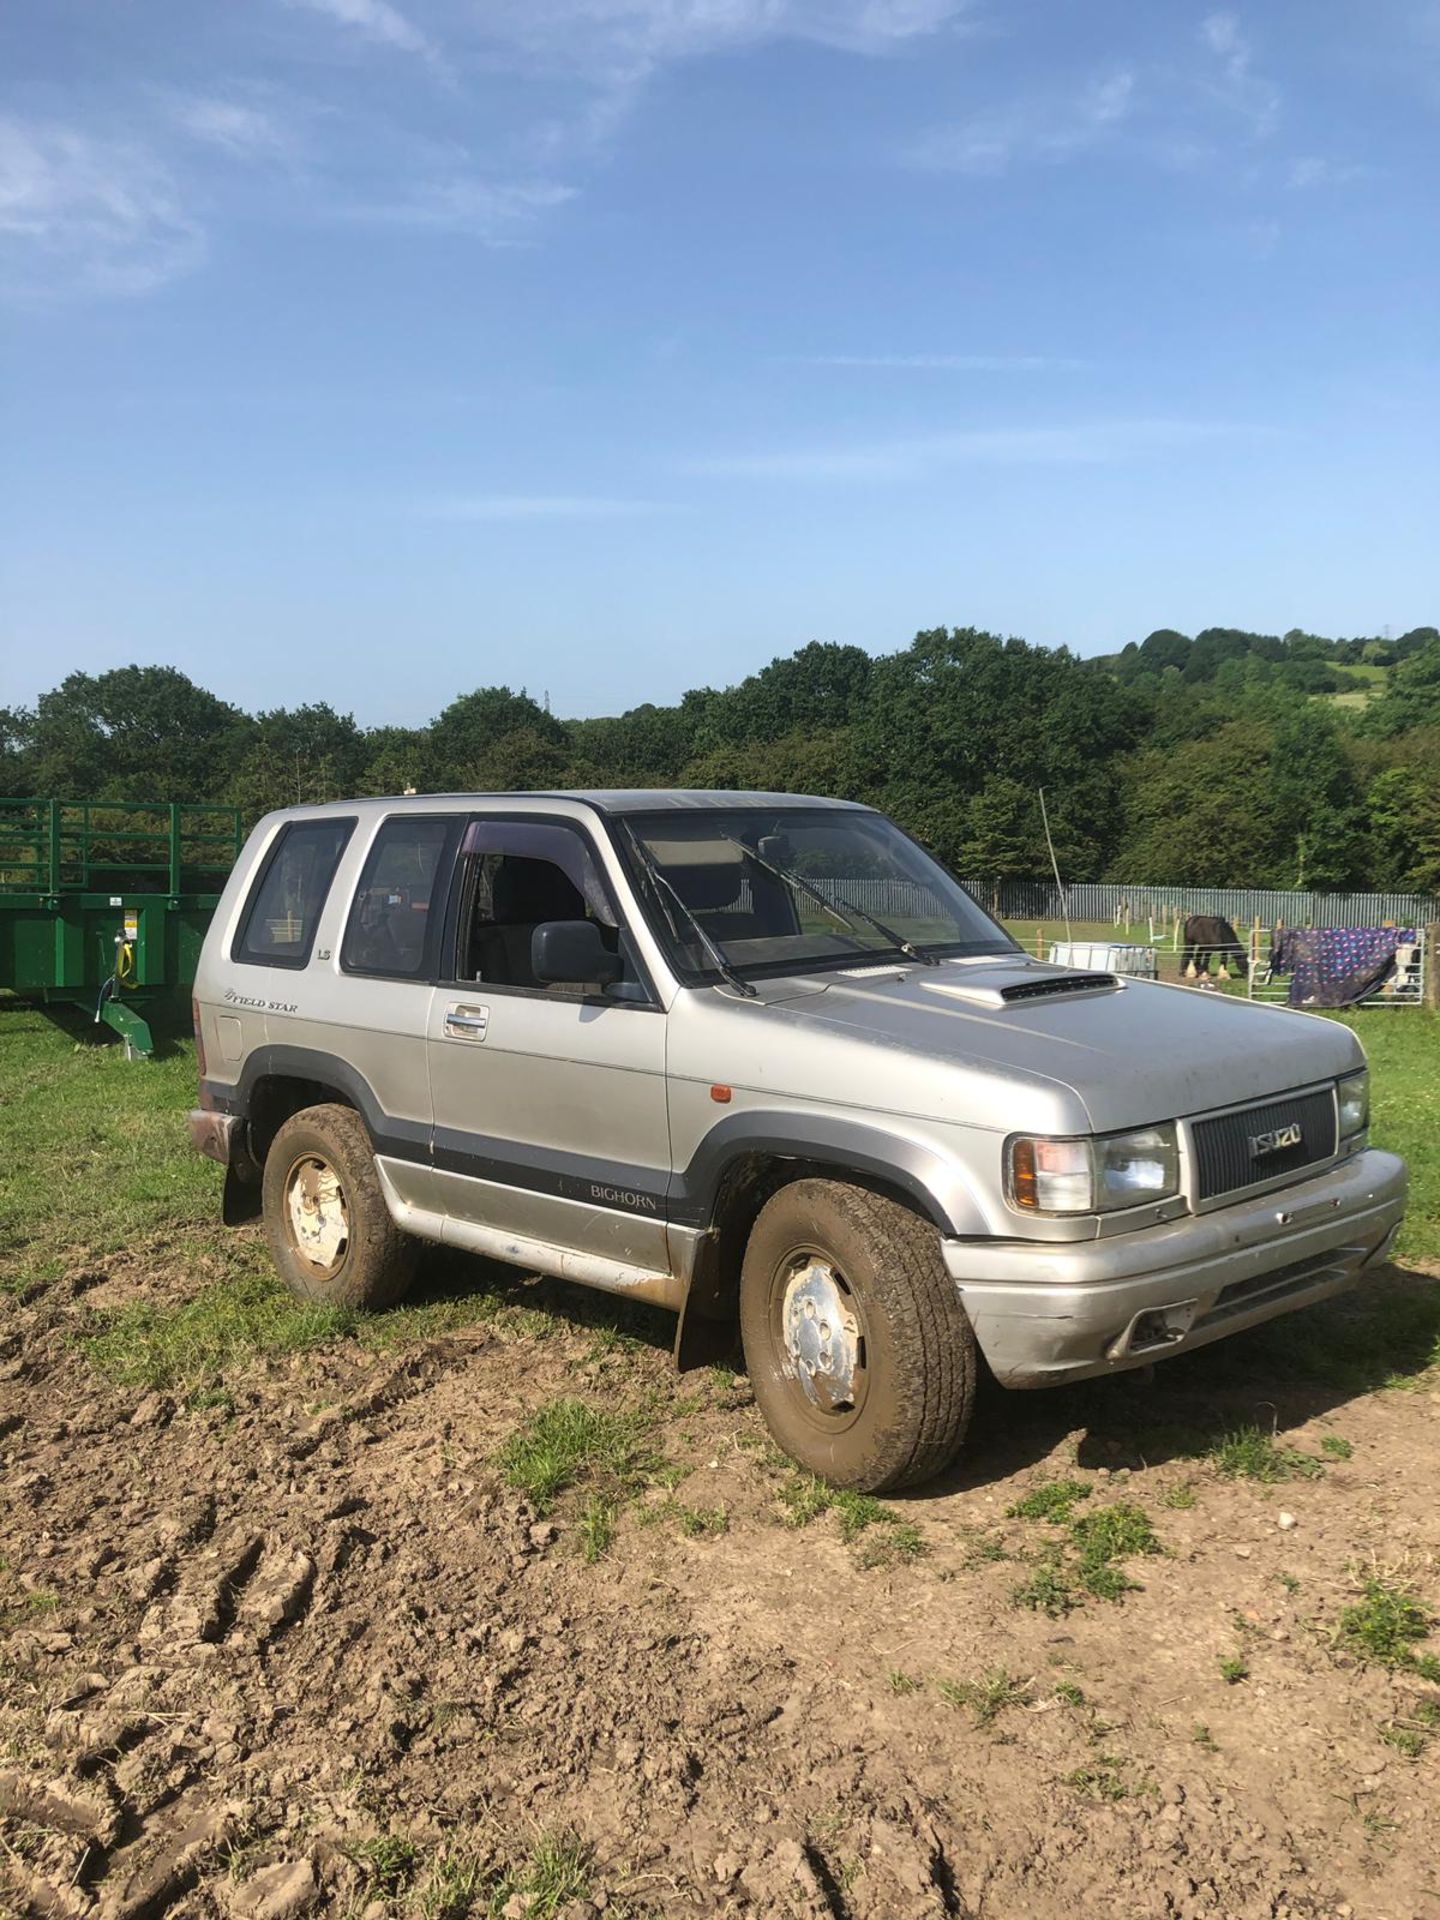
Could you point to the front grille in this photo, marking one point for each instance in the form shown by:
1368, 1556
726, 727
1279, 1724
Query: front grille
1059, 983
1227, 1159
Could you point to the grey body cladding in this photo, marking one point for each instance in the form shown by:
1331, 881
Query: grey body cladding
682, 1198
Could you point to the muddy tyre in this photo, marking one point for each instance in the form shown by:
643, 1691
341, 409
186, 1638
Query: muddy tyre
858, 1349
329, 1230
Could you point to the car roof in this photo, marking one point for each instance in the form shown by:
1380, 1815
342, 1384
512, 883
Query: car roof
658, 799
603, 799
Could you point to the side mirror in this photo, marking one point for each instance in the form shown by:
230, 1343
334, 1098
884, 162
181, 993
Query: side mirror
571, 952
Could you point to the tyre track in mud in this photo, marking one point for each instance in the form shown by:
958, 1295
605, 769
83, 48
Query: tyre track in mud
280, 1633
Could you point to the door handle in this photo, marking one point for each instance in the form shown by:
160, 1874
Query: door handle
467, 1023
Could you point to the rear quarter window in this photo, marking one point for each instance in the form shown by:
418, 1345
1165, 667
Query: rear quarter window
286, 901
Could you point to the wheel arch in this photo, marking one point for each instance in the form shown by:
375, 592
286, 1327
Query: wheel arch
749, 1157
275, 1083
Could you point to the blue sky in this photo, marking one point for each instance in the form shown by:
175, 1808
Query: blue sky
370, 351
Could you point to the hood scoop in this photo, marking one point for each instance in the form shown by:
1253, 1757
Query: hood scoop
1046, 986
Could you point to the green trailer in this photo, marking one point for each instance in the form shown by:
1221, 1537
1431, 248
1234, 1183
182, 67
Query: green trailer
104, 904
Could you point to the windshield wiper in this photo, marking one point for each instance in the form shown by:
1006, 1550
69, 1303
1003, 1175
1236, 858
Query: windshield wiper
652, 868
845, 911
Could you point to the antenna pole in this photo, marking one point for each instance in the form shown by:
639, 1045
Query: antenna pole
1055, 868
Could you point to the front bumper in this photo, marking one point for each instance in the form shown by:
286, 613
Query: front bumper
1045, 1313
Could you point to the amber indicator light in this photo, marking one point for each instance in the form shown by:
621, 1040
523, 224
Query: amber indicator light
1022, 1173
722, 1096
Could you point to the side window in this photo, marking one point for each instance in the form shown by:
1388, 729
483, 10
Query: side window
394, 920
518, 874
286, 901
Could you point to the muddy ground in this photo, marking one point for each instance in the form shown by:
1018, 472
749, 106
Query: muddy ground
305, 1647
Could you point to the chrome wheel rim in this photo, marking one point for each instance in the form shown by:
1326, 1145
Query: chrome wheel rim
316, 1214
821, 1337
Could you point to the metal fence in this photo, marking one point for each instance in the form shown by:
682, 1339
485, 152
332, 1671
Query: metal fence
891, 899
1106, 903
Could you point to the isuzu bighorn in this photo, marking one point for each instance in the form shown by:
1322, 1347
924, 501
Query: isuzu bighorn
760, 1059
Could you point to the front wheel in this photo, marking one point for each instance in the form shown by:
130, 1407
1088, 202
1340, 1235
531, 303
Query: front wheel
329, 1229
858, 1348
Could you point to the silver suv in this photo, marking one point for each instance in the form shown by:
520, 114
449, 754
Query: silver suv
760, 1059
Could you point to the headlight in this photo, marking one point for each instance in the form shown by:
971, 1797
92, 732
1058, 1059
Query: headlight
1354, 1104
1134, 1167
1092, 1175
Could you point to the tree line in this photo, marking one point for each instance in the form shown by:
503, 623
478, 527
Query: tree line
1221, 759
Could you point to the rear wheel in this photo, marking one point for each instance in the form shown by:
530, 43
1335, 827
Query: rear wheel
858, 1348
326, 1221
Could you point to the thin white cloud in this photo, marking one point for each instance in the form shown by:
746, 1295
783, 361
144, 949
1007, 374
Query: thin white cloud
601, 55
537, 506
1095, 443
622, 35
1239, 87
615, 48
1036, 131
1221, 33
378, 22
1312, 170
942, 362
84, 215
496, 212
617, 44
245, 133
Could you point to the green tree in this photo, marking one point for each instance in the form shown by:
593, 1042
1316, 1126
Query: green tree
957, 707
1004, 838
645, 747
297, 756
15, 727
1165, 648
1403, 817
802, 762
1315, 803
525, 759
134, 733
1213, 646
397, 760
820, 687
473, 726
1411, 697
1199, 814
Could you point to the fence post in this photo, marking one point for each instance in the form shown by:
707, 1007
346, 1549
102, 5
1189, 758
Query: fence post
1431, 970
52, 847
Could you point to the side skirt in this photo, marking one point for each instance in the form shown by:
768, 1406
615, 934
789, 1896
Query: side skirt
537, 1256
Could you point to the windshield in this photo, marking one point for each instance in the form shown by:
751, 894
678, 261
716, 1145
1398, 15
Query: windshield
775, 890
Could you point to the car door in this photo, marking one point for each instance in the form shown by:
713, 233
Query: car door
381, 992
550, 1117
